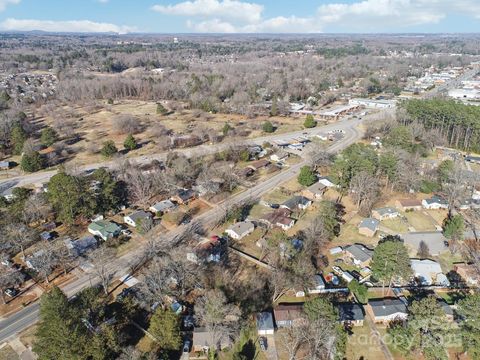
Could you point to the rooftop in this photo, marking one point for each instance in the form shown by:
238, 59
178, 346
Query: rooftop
385, 307
360, 252
350, 312
369, 223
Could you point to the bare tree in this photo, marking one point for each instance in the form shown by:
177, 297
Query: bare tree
364, 191
9, 278
291, 339
36, 209
101, 259
45, 260
218, 315
20, 236
126, 124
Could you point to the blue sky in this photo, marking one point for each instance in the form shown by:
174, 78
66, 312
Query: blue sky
245, 16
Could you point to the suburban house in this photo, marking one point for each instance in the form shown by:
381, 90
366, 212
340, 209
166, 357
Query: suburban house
162, 207
296, 202
386, 310
137, 217
468, 273
279, 157
104, 229
435, 203
350, 314
207, 250
447, 309
32, 261
183, 196
203, 340
259, 164
288, 314
435, 241
240, 229
318, 285
360, 255
428, 272
336, 250
80, 246
327, 181
409, 204
368, 227
280, 218
385, 213
315, 191
265, 323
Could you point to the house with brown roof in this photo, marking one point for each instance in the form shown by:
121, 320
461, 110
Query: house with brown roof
287, 315
259, 164
279, 217
468, 273
409, 204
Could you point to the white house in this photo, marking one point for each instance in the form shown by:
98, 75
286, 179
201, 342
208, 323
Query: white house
435, 203
327, 181
428, 272
136, 218
240, 229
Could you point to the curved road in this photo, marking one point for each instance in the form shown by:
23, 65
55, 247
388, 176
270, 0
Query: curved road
28, 316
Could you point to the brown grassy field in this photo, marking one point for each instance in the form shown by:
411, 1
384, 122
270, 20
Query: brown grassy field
96, 124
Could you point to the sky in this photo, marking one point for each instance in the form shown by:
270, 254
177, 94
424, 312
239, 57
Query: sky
242, 16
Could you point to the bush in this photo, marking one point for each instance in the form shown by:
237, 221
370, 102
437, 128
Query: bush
32, 162
127, 124
130, 143
268, 127
307, 176
48, 136
161, 110
359, 290
310, 122
109, 149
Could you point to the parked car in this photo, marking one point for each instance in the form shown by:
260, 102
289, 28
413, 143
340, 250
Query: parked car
275, 206
356, 274
11, 292
263, 343
186, 346
126, 232
337, 270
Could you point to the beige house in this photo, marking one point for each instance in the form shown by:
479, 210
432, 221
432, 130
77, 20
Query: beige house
409, 204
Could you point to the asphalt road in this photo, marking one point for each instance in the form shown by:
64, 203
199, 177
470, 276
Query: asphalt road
28, 316
44, 176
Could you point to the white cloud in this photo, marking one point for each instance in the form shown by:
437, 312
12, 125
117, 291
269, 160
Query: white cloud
64, 26
216, 9
362, 15
5, 3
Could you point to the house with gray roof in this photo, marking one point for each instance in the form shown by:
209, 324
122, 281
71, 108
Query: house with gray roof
315, 191
80, 246
297, 202
385, 213
162, 207
265, 323
137, 217
386, 310
368, 227
240, 229
360, 255
350, 314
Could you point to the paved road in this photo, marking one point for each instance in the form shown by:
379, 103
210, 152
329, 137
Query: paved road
44, 176
29, 315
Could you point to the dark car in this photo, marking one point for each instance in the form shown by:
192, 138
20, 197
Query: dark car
356, 274
275, 206
263, 343
11, 292
186, 346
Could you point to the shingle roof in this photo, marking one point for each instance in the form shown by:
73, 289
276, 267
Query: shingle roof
284, 312
265, 321
386, 211
295, 201
385, 307
369, 223
350, 312
317, 188
241, 227
163, 205
360, 252
137, 215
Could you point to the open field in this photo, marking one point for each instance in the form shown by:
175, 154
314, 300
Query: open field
361, 344
420, 221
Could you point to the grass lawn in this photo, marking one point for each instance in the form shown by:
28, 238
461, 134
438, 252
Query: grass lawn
447, 259
7, 353
397, 225
361, 344
349, 235
420, 221
276, 196
438, 215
